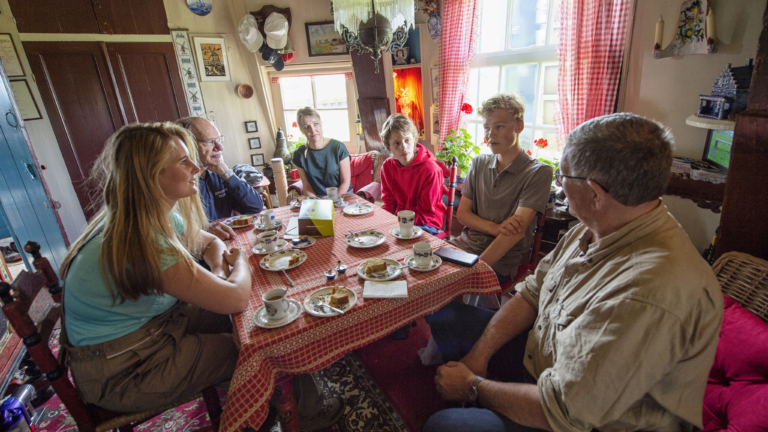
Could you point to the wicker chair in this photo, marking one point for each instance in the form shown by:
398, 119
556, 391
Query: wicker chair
17, 299
744, 278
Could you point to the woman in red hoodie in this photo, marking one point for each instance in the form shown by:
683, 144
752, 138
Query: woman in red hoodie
411, 179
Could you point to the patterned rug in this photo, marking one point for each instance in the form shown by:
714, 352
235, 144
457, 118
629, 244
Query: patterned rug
366, 406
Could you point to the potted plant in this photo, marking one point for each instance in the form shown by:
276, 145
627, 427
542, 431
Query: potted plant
459, 145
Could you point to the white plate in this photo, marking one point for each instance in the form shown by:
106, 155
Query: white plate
228, 222
353, 209
278, 223
259, 250
393, 271
368, 239
411, 263
305, 244
260, 317
312, 302
277, 261
396, 233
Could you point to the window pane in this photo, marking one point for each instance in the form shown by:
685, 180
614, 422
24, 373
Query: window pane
292, 133
528, 26
335, 124
483, 83
521, 80
493, 25
330, 91
297, 92
548, 112
550, 80
550, 151
525, 139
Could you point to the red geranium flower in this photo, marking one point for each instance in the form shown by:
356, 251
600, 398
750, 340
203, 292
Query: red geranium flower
466, 108
295, 125
541, 143
529, 153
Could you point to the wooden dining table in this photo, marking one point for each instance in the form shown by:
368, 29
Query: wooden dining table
311, 343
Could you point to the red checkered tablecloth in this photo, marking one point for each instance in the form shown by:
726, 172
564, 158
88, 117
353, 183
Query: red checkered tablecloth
309, 343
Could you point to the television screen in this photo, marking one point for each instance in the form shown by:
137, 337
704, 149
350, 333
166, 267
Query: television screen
718, 149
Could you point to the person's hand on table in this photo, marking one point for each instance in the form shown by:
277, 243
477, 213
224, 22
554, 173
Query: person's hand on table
453, 380
222, 231
511, 226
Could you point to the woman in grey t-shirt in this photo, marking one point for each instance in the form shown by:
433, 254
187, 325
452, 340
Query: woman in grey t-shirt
322, 162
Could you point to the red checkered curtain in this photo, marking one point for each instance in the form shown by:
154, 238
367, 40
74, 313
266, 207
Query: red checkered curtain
589, 55
458, 38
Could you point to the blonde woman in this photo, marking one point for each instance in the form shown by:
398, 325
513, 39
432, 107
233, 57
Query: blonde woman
144, 324
322, 162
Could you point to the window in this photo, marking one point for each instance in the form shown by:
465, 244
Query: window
516, 54
330, 94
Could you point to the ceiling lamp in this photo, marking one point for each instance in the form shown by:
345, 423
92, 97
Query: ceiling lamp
367, 25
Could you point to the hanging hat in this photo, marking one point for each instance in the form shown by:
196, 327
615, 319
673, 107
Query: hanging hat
249, 33
276, 29
288, 48
287, 57
270, 55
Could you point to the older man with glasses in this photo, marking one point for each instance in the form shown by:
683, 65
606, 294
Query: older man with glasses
618, 327
221, 191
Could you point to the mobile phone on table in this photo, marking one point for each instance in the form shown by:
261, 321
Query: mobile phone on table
456, 256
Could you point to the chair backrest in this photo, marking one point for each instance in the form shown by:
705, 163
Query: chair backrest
744, 278
449, 192
366, 168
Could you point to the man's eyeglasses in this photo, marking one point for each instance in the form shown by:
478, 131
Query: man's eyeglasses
559, 179
211, 141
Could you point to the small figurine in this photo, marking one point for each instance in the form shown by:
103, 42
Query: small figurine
330, 275
341, 269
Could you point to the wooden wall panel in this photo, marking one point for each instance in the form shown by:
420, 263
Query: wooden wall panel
149, 82
131, 16
54, 16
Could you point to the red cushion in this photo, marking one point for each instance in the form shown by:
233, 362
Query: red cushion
736, 398
361, 168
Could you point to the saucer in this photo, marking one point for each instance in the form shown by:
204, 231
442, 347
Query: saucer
313, 301
228, 222
367, 239
278, 223
411, 263
261, 320
396, 233
305, 244
260, 250
393, 271
277, 261
355, 210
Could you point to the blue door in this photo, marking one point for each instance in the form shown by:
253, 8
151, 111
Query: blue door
23, 198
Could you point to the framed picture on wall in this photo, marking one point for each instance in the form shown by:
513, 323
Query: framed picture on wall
324, 40
254, 143
10, 56
250, 126
257, 159
212, 60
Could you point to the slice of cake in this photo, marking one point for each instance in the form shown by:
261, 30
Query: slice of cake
294, 259
301, 198
242, 221
339, 296
375, 265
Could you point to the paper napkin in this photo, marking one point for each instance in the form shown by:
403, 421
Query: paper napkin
394, 289
292, 231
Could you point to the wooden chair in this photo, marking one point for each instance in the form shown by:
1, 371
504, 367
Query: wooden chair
527, 269
450, 192
744, 278
17, 299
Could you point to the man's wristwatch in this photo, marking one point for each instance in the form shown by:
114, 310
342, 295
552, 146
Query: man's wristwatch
228, 174
473, 389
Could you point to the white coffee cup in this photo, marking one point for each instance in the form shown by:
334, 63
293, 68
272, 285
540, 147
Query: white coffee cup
406, 219
275, 303
333, 193
267, 218
268, 240
422, 254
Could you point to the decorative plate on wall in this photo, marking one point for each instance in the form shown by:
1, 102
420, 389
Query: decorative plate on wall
245, 91
200, 7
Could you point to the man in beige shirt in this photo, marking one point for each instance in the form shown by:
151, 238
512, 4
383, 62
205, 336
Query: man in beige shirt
616, 330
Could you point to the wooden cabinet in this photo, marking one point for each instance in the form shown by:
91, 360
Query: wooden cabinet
90, 16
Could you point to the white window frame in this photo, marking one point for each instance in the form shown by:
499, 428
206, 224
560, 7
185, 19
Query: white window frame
541, 55
353, 145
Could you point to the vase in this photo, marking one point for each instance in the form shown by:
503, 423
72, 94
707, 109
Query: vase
433, 25
281, 148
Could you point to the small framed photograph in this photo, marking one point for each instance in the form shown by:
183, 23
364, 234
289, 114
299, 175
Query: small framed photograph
257, 159
254, 143
250, 126
324, 40
10, 56
212, 59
